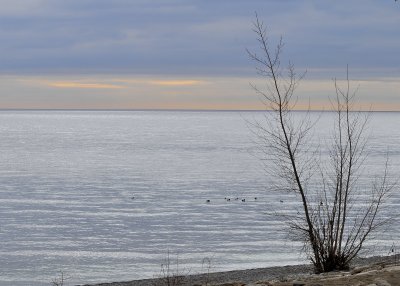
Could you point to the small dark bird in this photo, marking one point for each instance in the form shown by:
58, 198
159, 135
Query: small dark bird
255, 198
281, 201
228, 200
207, 201
243, 200
236, 199
132, 198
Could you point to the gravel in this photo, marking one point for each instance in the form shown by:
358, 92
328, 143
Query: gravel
243, 276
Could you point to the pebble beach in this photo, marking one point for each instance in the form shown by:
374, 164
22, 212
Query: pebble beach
372, 271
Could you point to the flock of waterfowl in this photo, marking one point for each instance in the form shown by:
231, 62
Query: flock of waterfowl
236, 199
226, 199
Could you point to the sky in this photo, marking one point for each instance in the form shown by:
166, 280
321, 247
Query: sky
191, 54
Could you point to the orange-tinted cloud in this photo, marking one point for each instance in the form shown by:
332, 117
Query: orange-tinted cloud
175, 82
64, 84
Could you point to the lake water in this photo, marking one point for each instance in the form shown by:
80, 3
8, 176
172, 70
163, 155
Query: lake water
106, 195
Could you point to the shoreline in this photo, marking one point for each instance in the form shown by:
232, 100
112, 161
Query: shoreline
252, 276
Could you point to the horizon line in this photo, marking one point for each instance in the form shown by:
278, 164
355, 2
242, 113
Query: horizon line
178, 109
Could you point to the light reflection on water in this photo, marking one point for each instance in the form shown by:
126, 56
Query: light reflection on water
103, 196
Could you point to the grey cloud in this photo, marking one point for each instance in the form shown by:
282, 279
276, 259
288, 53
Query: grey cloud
191, 36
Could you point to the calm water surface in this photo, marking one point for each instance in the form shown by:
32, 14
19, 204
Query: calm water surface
104, 196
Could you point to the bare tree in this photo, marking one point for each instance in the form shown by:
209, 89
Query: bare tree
337, 215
